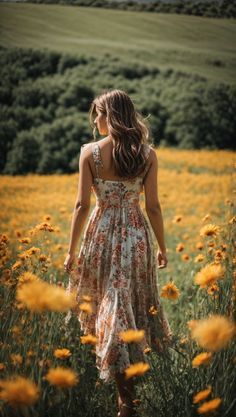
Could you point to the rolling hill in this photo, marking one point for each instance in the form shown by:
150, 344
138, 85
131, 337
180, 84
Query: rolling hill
190, 44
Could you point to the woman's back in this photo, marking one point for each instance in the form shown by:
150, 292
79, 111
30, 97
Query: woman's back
103, 154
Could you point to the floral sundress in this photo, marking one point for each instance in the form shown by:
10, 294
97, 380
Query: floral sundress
117, 267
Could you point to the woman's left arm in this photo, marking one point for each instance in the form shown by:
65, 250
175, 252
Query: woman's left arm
82, 205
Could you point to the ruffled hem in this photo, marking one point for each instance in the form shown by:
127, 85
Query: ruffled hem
117, 312
115, 315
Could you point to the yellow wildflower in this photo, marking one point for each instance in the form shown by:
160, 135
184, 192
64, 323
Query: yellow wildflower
192, 324
89, 339
2, 366
23, 256
219, 255
153, 310
40, 296
62, 377
16, 330
147, 350
199, 245
24, 240
179, 247
211, 244
223, 246
199, 258
213, 333
42, 258
183, 341
185, 257
16, 358
44, 226
62, 353
16, 265
209, 406
27, 277
131, 335
209, 230
209, 274
19, 391
4, 239
136, 369
47, 217
59, 247
30, 354
212, 289
206, 217
170, 291
86, 307
202, 395
203, 358
32, 251
87, 298
177, 219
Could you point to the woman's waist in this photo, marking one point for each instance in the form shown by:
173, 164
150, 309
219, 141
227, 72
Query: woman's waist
118, 203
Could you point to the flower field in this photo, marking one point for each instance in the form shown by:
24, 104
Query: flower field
48, 367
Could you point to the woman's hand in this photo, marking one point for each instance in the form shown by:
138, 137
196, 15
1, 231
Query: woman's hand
69, 262
162, 259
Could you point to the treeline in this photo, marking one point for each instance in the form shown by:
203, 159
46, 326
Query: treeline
45, 98
220, 9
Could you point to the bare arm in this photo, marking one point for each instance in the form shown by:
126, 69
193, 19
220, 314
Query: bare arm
152, 204
82, 203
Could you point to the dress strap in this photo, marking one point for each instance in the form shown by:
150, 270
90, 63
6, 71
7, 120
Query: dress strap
97, 157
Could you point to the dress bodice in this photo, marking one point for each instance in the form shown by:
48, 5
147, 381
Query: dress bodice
117, 193
111, 193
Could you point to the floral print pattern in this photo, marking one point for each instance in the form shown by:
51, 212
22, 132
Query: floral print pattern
117, 267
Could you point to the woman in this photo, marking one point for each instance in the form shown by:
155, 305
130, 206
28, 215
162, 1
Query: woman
117, 265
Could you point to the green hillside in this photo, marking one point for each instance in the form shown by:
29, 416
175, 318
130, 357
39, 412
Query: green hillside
188, 43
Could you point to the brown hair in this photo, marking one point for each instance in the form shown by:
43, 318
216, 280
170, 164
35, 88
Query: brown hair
126, 127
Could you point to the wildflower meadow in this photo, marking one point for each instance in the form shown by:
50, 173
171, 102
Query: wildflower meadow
47, 364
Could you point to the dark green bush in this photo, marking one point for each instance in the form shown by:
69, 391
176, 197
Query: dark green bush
44, 120
78, 96
24, 156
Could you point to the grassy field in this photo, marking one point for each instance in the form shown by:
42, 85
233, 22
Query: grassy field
188, 43
196, 194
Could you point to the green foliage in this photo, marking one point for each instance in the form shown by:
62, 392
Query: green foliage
77, 96
46, 97
23, 157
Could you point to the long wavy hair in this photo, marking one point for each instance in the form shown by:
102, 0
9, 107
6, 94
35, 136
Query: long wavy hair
127, 128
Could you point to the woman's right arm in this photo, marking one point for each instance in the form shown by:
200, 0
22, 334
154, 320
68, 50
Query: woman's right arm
152, 204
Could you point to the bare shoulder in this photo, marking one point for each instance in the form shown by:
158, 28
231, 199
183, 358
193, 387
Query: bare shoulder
85, 149
152, 156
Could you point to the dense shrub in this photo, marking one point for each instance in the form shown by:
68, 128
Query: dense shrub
25, 154
78, 96
44, 120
